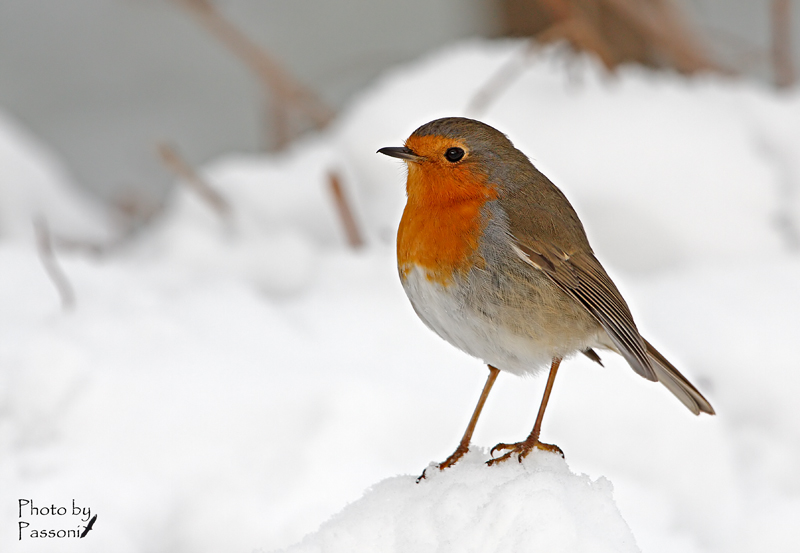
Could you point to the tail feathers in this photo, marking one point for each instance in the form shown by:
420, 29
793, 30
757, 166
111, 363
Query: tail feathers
676, 383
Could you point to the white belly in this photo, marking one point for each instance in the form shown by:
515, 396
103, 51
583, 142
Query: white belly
522, 347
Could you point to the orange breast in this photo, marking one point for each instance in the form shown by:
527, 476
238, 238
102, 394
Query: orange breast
442, 222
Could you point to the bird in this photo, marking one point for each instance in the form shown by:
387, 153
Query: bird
495, 260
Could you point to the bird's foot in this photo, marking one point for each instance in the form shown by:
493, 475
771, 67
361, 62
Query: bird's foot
460, 451
521, 450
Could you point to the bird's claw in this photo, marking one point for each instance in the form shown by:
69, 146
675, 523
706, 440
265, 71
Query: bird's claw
521, 449
460, 451
503, 446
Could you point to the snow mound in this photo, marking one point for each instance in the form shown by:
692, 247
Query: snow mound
534, 505
34, 184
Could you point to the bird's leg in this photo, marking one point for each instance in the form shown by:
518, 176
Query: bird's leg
463, 446
521, 449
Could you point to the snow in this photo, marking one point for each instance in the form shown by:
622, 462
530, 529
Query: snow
35, 184
539, 504
234, 384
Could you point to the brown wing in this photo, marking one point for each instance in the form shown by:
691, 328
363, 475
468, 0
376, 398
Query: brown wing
581, 276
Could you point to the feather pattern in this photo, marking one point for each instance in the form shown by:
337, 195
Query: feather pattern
676, 383
582, 277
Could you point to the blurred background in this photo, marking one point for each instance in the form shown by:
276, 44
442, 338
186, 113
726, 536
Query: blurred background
103, 82
252, 347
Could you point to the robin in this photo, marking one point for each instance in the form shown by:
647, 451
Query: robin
495, 260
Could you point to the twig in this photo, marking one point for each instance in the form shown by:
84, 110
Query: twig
664, 26
44, 245
576, 31
187, 175
582, 36
782, 43
499, 81
651, 32
560, 10
344, 211
285, 88
580, 28
579, 24
573, 24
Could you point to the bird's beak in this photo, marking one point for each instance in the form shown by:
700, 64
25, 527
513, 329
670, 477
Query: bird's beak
400, 152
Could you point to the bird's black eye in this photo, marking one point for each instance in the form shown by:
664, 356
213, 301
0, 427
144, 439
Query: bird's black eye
454, 154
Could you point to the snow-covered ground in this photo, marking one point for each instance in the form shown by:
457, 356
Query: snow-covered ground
232, 386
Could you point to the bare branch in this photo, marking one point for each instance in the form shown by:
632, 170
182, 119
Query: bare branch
345, 213
576, 31
650, 32
44, 246
782, 43
287, 90
665, 27
582, 36
188, 176
499, 81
